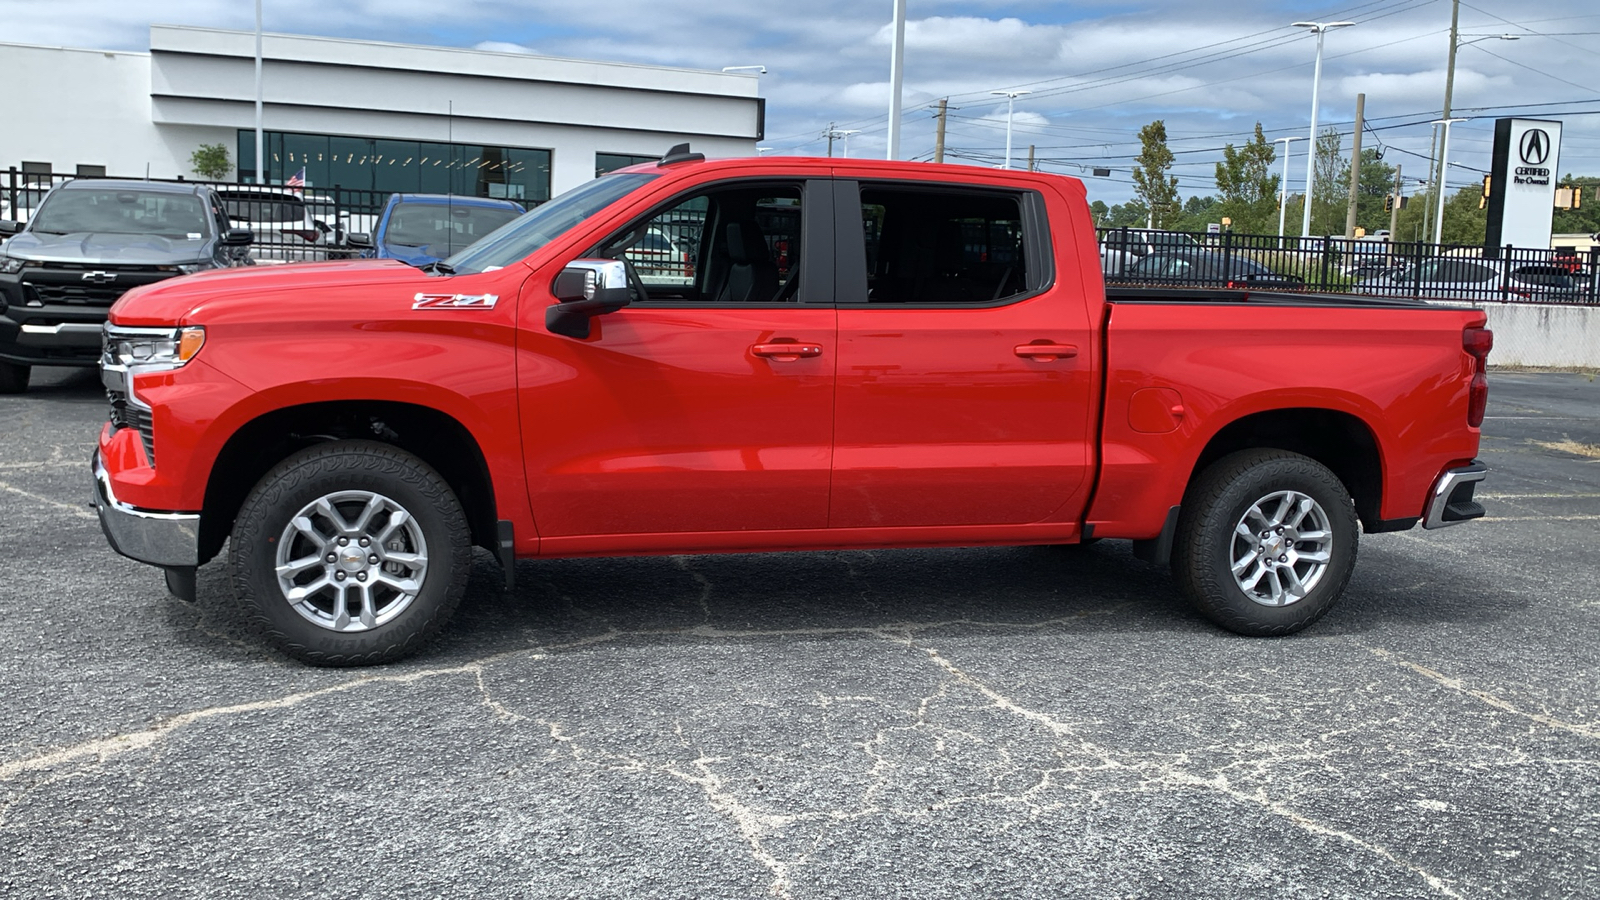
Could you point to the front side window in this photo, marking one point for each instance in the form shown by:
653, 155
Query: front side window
937, 246
521, 237
116, 211
736, 243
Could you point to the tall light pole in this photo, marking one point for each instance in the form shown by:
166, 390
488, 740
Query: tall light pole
1319, 29
1444, 160
1456, 43
897, 66
1283, 187
261, 158
1011, 104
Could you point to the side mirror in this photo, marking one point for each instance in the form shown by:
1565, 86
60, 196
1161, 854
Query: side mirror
358, 240
238, 237
9, 227
586, 288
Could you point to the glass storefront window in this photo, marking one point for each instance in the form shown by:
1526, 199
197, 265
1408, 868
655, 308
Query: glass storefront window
390, 166
610, 162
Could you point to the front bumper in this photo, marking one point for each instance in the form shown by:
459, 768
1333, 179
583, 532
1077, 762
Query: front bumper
170, 539
1450, 502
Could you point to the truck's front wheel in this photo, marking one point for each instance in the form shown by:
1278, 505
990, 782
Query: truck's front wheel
1266, 542
350, 553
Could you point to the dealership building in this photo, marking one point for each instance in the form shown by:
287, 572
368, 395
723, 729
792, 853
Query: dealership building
361, 115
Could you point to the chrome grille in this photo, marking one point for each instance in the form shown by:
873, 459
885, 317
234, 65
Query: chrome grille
129, 415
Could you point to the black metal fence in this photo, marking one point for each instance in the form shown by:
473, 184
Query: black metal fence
289, 224
1371, 266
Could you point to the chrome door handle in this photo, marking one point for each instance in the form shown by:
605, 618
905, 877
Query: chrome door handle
785, 351
1045, 351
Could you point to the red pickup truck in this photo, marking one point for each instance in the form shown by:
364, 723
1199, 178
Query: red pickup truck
863, 354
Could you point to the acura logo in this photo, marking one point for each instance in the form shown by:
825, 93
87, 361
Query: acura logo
99, 277
1535, 148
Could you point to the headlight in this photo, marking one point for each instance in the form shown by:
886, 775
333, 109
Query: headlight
154, 348
10, 265
186, 268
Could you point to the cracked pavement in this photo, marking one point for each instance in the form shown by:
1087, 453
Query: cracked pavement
1017, 722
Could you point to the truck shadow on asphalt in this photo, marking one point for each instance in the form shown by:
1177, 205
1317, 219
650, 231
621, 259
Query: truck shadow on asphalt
1101, 589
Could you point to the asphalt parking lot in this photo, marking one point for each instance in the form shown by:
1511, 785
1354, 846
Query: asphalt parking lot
1028, 722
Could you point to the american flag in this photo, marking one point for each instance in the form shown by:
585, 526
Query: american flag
297, 180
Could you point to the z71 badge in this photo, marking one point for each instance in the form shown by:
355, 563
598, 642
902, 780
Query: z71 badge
455, 301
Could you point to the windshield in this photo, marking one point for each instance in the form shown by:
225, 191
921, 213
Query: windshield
516, 240
122, 212
443, 229
264, 208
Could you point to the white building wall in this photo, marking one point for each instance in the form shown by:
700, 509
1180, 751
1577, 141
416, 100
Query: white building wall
69, 107
139, 112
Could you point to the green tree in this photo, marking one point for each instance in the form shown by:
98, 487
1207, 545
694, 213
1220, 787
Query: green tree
1155, 188
1100, 211
211, 161
1197, 213
1331, 195
1132, 214
1248, 190
1586, 218
1377, 181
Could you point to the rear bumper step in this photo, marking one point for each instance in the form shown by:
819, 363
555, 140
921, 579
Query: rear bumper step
1451, 502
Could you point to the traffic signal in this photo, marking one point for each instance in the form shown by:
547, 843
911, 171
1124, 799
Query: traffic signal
1388, 203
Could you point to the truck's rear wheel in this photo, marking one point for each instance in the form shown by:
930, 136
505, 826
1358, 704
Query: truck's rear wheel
13, 377
1266, 542
350, 553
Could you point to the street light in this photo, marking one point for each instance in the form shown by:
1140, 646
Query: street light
1319, 29
897, 68
261, 163
1283, 189
1444, 160
759, 70
1456, 43
1011, 103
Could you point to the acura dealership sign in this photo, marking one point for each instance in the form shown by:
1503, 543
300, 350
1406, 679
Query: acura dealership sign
1522, 184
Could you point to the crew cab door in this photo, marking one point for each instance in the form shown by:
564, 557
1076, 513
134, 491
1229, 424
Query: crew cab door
705, 405
964, 389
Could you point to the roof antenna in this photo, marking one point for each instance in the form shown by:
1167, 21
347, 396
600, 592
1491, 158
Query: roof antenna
680, 153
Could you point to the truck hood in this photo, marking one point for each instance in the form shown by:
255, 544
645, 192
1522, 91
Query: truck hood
265, 292
112, 249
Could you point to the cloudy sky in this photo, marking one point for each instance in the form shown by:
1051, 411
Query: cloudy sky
1098, 71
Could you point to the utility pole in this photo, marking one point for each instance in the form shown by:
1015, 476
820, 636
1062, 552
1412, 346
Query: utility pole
938, 142
1355, 168
1394, 211
897, 67
829, 135
1439, 180
1030, 158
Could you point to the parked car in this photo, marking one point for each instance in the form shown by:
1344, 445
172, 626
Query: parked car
1451, 278
84, 247
419, 229
1121, 248
352, 431
1205, 268
284, 227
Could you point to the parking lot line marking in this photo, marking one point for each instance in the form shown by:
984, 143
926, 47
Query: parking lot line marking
1456, 684
72, 508
1538, 496
1540, 519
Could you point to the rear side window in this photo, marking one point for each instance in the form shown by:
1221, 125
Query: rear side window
943, 246
264, 208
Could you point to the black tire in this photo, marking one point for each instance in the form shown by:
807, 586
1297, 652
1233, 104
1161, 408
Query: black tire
14, 377
1207, 544
434, 529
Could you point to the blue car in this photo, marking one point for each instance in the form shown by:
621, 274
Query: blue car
424, 228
